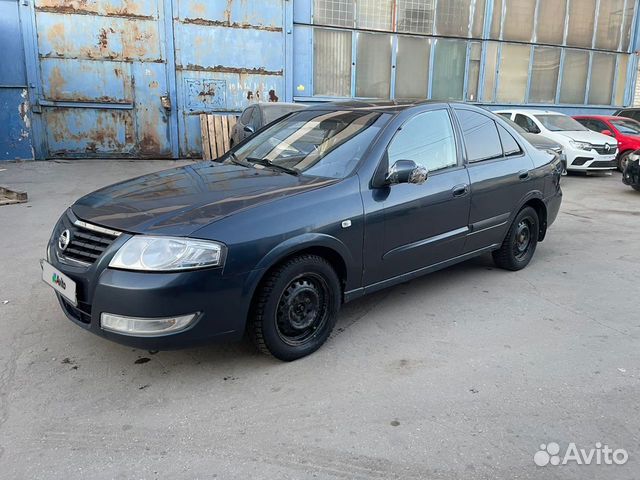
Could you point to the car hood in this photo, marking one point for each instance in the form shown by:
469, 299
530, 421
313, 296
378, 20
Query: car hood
182, 200
594, 138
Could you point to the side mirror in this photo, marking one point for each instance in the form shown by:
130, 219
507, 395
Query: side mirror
249, 129
406, 171
607, 132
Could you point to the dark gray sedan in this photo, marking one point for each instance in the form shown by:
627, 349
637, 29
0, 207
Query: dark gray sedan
256, 116
321, 207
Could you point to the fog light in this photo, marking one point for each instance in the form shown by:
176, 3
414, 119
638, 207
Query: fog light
145, 326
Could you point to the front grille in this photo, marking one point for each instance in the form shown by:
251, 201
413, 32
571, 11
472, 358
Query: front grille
604, 164
603, 151
78, 313
87, 242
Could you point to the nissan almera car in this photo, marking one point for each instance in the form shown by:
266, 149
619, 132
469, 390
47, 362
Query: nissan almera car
317, 209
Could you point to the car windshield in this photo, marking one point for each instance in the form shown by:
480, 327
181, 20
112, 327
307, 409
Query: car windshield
627, 127
323, 143
560, 123
274, 112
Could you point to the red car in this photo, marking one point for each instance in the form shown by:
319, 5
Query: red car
625, 130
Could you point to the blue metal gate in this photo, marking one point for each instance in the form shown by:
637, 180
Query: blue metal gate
117, 78
15, 120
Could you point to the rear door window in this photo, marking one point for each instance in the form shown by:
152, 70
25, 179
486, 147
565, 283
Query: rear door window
480, 136
526, 123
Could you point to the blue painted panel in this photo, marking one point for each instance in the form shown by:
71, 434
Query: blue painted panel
202, 46
95, 37
303, 61
12, 72
89, 132
265, 13
86, 80
241, 90
302, 11
15, 142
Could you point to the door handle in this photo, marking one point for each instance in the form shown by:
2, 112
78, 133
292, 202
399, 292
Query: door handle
523, 174
460, 190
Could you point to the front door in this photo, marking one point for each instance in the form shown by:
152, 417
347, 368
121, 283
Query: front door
408, 226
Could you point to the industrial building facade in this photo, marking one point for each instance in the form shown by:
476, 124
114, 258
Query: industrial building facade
118, 78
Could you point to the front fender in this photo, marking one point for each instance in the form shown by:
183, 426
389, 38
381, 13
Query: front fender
299, 244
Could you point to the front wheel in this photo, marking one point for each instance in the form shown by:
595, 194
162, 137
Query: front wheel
520, 243
295, 308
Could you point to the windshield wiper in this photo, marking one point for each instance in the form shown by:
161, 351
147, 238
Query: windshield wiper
268, 163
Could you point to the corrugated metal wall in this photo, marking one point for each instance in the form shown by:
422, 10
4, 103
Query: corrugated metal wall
123, 78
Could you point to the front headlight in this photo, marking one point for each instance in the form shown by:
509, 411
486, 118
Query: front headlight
581, 145
149, 253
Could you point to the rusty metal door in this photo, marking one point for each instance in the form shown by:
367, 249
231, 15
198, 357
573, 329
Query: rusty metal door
105, 74
15, 131
228, 54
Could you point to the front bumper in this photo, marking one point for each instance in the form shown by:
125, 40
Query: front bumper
221, 300
586, 161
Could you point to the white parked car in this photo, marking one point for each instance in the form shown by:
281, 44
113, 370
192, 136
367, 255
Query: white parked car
585, 149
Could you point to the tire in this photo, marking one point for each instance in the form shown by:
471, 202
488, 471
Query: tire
520, 242
636, 187
622, 160
295, 308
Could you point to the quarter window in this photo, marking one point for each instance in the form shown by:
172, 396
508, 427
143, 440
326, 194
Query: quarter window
427, 139
509, 145
480, 136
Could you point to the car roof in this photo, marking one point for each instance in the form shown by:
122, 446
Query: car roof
280, 104
530, 111
389, 106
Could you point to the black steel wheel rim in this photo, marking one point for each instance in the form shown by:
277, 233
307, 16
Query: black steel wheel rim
303, 309
522, 240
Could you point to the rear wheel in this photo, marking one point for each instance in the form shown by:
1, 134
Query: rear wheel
623, 159
520, 243
295, 308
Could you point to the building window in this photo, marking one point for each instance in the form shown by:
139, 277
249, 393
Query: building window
448, 69
412, 67
373, 68
473, 71
544, 75
621, 82
627, 24
452, 18
415, 16
609, 24
331, 63
490, 71
574, 77
374, 14
514, 73
602, 72
551, 20
333, 12
518, 22
581, 17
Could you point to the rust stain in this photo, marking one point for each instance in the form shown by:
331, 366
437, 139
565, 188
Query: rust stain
56, 83
272, 96
81, 7
237, 70
199, 8
229, 24
227, 11
154, 84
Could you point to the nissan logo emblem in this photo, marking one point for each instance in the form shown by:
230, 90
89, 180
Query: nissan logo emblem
64, 240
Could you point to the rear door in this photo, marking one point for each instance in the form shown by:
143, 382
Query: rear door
500, 174
410, 226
